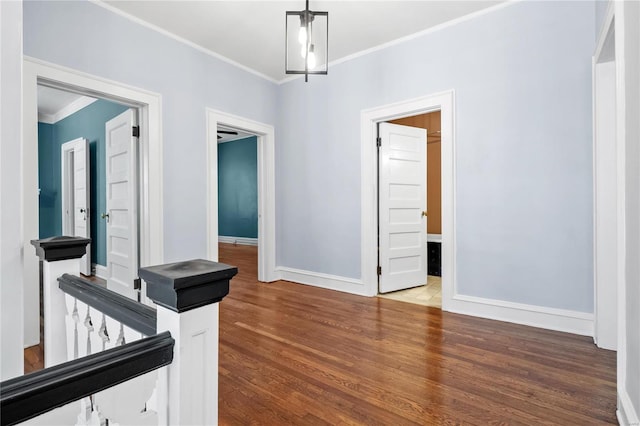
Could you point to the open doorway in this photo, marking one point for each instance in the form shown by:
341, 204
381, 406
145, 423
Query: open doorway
149, 167
426, 288
88, 168
238, 198
221, 125
73, 171
370, 120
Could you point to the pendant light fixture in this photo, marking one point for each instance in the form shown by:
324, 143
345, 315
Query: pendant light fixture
306, 42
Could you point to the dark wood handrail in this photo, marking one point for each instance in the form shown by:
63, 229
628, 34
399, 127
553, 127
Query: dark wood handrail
133, 314
31, 395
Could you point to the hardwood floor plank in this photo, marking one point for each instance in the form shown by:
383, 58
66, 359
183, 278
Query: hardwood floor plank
316, 356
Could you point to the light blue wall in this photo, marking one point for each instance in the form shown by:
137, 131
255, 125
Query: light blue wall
89, 38
522, 78
238, 188
523, 196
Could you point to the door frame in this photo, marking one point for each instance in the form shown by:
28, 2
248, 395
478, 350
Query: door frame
606, 184
369, 119
67, 194
151, 241
266, 188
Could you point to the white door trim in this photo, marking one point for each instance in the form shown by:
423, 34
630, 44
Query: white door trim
444, 102
605, 188
266, 189
68, 196
151, 207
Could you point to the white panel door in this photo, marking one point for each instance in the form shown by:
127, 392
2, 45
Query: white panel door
75, 194
122, 204
403, 205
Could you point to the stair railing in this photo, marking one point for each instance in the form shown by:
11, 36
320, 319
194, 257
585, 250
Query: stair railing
112, 360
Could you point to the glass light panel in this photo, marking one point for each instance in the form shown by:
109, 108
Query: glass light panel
316, 39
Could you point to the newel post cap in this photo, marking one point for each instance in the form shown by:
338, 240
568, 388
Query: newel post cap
60, 248
182, 286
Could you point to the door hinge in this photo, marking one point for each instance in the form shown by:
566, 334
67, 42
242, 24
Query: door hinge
137, 284
135, 131
379, 142
379, 270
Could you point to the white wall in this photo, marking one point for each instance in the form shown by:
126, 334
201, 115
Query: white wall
89, 38
11, 336
522, 79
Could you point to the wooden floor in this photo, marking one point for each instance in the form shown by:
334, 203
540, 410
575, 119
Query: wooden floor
294, 354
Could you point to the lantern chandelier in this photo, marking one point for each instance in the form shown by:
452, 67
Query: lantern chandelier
306, 42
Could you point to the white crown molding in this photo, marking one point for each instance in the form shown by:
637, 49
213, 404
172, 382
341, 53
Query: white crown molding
332, 63
46, 118
238, 240
409, 37
176, 37
70, 109
236, 138
317, 279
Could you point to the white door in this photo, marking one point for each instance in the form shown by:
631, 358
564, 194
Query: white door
122, 204
75, 194
403, 205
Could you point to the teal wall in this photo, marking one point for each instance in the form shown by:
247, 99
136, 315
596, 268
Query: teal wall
87, 123
238, 188
49, 182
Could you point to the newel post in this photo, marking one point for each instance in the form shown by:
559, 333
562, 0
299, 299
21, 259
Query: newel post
187, 296
59, 255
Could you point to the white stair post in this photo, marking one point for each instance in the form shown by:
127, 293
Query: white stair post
59, 256
187, 296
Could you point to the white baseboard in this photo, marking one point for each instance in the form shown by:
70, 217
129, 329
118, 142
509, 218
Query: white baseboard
317, 279
434, 238
535, 316
626, 413
100, 271
238, 240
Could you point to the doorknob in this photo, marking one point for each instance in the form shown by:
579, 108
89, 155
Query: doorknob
105, 216
85, 213
424, 214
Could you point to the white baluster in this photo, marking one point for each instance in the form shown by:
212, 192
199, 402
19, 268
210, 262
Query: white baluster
83, 332
121, 340
103, 332
71, 327
76, 321
88, 323
125, 403
113, 327
85, 412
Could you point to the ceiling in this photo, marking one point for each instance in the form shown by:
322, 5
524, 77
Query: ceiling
51, 101
224, 137
55, 104
251, 33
